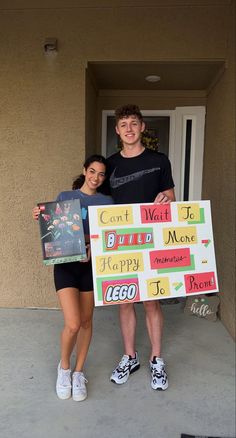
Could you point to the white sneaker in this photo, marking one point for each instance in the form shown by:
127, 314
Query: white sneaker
63, 385
79, 390
126, 366
159, 379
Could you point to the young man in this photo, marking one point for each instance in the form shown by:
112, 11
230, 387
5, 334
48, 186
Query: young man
139, 175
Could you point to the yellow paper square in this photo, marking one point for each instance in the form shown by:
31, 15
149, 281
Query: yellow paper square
119, 264
174, 236
189, 212
115, 216
158, 287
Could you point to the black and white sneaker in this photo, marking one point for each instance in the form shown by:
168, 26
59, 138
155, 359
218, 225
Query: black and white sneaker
159, 378
127, 366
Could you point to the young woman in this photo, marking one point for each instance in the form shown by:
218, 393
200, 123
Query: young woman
74, 285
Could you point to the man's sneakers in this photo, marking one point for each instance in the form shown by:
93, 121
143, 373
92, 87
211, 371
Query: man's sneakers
127, 366
63, 385
159, 378
79, 390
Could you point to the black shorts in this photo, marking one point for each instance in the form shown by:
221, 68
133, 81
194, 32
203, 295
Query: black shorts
75, 274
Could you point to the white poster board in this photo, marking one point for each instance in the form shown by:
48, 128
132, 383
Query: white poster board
145, 252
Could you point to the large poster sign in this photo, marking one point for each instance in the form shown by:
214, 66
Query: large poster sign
152, 251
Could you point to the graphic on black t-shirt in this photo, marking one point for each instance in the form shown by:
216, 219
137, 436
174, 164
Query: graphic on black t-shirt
117, 182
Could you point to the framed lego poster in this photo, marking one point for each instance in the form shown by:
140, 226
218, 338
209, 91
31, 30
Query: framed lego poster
146, 252
61, 232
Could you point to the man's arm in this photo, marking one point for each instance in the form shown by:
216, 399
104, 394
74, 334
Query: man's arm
165, 197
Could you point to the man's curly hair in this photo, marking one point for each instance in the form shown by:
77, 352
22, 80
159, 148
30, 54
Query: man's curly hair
128, 110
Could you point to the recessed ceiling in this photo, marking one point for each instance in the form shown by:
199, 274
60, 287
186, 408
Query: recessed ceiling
194, 75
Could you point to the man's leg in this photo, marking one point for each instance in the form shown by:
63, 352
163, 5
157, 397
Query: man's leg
154, 321
129, 362
128, 327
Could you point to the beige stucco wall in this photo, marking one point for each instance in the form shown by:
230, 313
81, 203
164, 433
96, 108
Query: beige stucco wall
42, 110
219, 178
91, 101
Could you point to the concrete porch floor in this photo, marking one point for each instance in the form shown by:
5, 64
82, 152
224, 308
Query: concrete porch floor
200, 357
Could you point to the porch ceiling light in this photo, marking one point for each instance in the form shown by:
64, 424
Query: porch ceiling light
153, 78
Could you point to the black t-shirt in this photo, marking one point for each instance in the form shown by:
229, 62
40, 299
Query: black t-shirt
138, 179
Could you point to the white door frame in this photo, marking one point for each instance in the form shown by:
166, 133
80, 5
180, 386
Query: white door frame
197, 115
177, 138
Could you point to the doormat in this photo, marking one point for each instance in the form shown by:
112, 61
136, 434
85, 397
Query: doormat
184, 435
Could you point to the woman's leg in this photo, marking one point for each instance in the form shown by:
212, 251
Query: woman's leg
70, 303
86, 304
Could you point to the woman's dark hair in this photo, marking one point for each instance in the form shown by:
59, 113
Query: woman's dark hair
79, 180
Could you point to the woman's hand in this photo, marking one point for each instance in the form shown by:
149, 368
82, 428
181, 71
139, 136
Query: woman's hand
36, 213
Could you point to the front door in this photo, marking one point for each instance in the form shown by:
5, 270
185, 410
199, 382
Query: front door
180, 134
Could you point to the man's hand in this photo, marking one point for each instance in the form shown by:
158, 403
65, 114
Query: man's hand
165, 197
